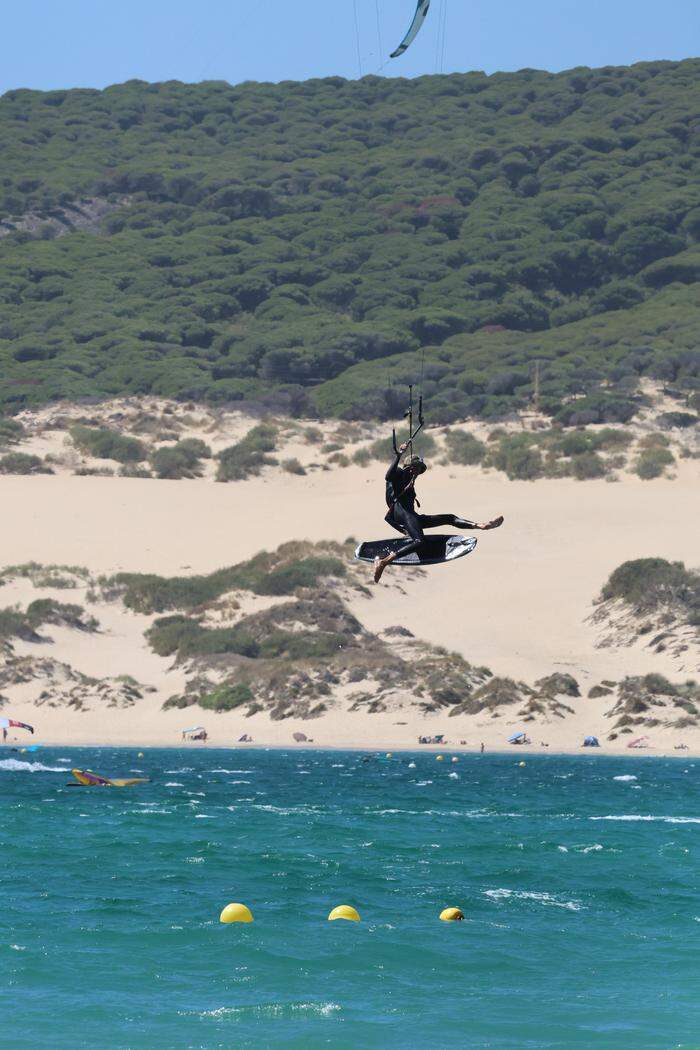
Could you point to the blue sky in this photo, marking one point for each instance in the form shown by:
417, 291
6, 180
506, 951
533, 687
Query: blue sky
75, 43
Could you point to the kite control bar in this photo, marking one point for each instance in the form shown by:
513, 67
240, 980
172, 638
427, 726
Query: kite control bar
409, 415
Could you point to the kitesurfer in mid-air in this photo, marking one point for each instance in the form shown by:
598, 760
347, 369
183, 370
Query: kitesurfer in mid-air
401, 501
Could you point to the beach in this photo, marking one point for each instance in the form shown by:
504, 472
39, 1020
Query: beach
521, 604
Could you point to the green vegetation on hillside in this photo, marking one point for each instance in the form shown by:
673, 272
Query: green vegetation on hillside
25, 624
301, 244
288, 569
648, 583
104, 443
249, 455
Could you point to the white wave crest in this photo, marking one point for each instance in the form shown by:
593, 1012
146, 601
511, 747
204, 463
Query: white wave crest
648, 817
625, 778
13, 765
547, 899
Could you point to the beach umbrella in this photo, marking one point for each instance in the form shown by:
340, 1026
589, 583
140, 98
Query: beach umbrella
516, 736
300, 737
10, 723
194, 729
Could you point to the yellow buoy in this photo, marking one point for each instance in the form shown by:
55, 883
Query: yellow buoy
389, 754
439, 758
236, 913
452, 915
344, 911
521, 764
140, 754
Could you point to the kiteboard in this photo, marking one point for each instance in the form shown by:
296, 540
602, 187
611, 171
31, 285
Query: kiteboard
433, 551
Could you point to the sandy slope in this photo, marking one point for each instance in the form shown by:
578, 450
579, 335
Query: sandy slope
518, 604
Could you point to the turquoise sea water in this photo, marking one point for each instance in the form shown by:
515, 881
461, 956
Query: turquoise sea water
579, 878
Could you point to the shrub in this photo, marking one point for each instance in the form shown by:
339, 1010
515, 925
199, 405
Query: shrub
226, 697
655, 440
361, 457
130, 470
194, 447
588, 465
186, 637
16, 623
148, 593
304, 573
464, 448
653, 462
575, 442
107, 444
669, 420
609, 439
313, 436
293, 466
646, 583
301, 645
518, 456
23, 463
174, 462
247, 457
10, 432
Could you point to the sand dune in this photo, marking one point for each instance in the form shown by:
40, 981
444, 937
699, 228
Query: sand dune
518, 604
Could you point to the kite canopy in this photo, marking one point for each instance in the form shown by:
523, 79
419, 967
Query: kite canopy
641, 741
414, 28
10, 723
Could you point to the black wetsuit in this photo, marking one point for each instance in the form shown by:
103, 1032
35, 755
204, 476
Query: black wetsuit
402, 516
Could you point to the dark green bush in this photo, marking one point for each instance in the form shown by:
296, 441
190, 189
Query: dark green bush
293, 466
647, 583
11, 432
652, 463
103, 443
173, 461
586, 465
23, 463
194, 447
668, 420
227, 697
186, 637
247, 457
518, 456
304, 573
148, 593
464, 448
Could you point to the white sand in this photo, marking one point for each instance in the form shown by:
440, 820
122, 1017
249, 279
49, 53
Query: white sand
518, 604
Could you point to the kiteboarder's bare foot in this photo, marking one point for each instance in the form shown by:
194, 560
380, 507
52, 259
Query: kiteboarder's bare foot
379, 567
492, 524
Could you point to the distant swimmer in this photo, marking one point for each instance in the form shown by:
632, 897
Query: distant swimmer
401, 501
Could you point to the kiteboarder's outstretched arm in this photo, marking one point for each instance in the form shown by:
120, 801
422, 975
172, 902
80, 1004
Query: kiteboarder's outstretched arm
395, 462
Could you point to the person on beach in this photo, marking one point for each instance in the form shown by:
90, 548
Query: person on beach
401, 501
